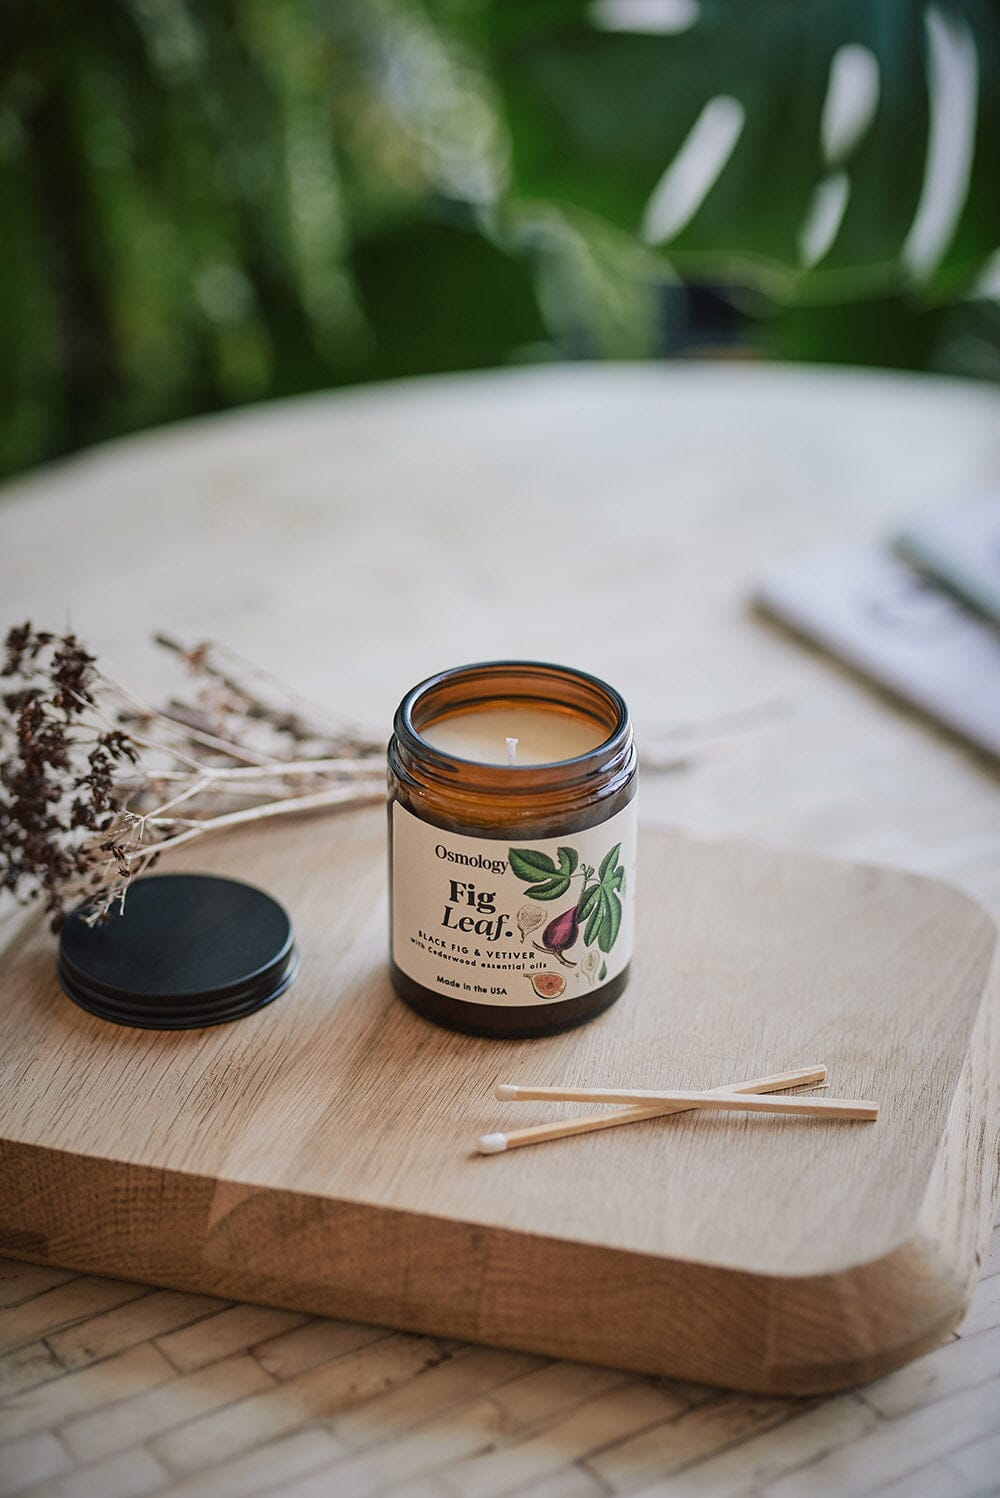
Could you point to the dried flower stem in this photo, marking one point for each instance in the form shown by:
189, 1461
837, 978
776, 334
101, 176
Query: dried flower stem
277, 770
336, 796
191, 732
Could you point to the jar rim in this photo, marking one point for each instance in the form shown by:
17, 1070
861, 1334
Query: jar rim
603, 758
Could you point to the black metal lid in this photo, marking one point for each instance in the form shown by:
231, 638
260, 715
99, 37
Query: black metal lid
190, 950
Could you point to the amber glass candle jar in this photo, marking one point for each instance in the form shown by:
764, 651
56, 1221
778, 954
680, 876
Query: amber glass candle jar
511, 848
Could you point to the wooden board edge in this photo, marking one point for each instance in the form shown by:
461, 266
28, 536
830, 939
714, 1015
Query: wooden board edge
557, 1298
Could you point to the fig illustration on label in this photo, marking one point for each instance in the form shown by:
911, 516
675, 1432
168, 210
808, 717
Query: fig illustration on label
596, 908
547, 985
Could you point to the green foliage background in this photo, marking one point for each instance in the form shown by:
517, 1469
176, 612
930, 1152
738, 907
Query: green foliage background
209, 202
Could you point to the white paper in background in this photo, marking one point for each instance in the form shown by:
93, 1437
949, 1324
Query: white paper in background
960, 544
867, 606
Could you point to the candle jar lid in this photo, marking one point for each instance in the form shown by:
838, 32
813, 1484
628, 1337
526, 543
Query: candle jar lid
189, 950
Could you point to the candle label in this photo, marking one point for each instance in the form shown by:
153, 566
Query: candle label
508, 922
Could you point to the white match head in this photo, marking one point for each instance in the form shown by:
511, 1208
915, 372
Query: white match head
506, 1091
492, 1144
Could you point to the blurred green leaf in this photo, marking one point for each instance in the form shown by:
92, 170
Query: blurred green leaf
718, 145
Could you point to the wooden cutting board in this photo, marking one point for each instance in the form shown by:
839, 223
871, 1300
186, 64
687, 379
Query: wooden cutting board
320, 1154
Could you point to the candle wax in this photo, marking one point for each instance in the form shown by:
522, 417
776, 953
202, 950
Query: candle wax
544, 736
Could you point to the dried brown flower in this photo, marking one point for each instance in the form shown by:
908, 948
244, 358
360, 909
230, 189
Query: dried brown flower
92, 778
58, 775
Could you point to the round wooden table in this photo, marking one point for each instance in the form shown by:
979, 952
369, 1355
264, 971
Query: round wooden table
615, 517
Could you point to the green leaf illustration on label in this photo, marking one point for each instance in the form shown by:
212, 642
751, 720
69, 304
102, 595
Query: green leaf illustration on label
608, 863
529, 865
598, 908
588, 902
612, 922
548, 880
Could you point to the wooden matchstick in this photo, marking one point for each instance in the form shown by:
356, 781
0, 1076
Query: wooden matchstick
494, 1144
732, 1102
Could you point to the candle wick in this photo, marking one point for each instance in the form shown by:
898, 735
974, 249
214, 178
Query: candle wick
512, 751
